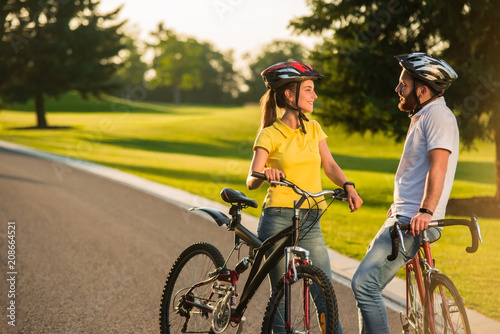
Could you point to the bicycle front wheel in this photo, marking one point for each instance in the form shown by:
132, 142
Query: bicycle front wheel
192, 266
448, 313
414, 323
313, 305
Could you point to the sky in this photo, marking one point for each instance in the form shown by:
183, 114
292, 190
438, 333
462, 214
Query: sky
239, 25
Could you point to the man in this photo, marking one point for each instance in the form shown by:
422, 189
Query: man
422, 184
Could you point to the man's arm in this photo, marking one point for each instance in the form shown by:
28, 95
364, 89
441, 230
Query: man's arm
434, 183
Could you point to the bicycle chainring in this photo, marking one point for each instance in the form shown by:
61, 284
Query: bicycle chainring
221, 316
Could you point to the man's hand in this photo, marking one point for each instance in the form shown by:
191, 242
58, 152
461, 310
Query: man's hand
419, 223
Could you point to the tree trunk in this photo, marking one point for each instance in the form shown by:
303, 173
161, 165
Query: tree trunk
497, 163
177, 95
40, 111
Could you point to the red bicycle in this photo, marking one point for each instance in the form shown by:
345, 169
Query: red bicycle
433, 303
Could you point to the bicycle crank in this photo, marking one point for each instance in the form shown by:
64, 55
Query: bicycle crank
408, 326
221, 316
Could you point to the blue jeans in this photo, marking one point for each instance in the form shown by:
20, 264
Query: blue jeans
375, 272
274, 220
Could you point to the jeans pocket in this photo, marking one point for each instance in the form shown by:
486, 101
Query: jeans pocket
273, 211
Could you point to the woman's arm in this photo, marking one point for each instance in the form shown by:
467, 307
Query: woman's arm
332, 170
258, 164
337, 176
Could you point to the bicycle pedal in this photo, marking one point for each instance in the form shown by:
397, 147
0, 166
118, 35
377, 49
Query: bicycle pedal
403, 318
240, 326
405, 323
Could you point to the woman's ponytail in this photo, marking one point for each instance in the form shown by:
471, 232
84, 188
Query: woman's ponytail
268, 109
273, 99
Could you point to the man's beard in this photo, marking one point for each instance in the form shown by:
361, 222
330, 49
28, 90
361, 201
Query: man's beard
409, 102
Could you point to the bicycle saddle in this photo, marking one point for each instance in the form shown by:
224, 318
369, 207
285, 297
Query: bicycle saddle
237, 197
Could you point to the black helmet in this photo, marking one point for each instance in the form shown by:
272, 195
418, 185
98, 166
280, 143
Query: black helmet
432, 71
281, 73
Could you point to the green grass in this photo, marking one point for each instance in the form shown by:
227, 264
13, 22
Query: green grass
202, 149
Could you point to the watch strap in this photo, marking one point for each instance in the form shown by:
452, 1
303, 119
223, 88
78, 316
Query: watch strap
424, 210
348, 183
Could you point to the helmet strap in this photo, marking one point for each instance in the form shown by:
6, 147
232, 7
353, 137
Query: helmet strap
297, 108
301, 114
421, 105
418, 107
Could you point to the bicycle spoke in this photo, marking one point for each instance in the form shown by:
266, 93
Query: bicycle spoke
448, 315
181, 309
313, 306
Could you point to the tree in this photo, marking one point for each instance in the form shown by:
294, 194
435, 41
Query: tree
360, 37
272, 53
51, 47
131, 73
187, 65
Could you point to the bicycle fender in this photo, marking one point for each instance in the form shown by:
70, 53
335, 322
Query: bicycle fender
220, 218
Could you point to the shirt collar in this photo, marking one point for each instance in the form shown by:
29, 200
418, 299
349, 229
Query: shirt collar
284, 129
438, 101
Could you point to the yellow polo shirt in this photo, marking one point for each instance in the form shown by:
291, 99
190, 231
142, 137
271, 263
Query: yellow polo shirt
297, 155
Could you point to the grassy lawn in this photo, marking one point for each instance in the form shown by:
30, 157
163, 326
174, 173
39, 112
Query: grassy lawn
202, 149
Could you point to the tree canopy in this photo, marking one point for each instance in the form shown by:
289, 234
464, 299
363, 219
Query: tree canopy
186, 65
51, 47
361, 36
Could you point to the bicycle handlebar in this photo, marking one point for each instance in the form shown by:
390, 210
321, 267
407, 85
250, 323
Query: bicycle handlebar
473, 225
338, 194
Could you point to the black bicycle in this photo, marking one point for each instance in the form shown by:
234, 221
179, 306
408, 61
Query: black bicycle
200, 293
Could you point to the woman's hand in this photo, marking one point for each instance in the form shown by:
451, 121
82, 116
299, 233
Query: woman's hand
353, 198
274, 175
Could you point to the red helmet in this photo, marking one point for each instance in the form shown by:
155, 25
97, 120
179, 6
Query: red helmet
293, 71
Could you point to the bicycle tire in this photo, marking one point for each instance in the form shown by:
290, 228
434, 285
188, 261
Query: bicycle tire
449, 316
415, 316
192, 266
307, 274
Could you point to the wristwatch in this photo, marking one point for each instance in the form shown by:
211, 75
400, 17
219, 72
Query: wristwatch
348, 183
424, 210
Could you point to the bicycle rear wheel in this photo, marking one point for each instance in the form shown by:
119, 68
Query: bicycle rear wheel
448, 314
192, 266
322, 314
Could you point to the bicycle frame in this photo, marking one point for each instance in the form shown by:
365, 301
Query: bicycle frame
423, 267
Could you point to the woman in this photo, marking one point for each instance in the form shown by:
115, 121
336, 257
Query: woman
290, 146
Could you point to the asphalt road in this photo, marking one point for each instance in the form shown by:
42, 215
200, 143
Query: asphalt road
91, 255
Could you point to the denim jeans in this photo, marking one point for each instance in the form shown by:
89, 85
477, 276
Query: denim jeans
375, 272
274, 220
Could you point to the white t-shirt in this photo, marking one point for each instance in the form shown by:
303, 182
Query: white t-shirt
435, 126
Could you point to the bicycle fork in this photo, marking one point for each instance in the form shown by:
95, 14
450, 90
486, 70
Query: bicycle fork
294, 255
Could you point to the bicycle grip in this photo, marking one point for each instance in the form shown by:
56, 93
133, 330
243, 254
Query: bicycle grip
474, 230
259, 175
262, 176
395, 242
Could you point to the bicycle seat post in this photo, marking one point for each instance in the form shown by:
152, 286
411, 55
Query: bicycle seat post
235, 212
424, 236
